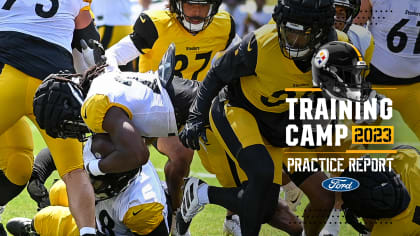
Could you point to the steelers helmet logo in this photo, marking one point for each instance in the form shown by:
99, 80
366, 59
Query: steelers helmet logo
321, 58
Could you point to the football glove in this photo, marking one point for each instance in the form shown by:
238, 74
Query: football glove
57, 104
93, 52
193, 130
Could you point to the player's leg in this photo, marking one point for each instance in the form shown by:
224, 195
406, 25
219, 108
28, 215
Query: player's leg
16, 161
216, 161
284, 219
43, 167
15, 135
237, 131
320, 204
67, 155
53, 220
177, 167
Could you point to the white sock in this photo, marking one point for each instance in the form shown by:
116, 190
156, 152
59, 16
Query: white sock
333, 223
203, 197
87, 230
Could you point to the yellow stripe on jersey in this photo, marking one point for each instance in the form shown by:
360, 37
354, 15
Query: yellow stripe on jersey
143, 219
94, 110
58, 194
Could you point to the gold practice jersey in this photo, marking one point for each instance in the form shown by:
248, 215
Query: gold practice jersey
155, 30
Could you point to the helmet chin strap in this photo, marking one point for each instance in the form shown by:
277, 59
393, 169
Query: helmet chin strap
193, 28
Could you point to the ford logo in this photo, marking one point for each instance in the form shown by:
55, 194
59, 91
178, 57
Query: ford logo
340, 184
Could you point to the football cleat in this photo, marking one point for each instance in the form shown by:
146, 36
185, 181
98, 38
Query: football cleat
190, 205
20, 226
293, 197
38, 193
232, 226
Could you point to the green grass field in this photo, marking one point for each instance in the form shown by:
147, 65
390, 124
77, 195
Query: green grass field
210, 220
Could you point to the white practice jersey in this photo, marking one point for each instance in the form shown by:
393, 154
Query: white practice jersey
146, 188
395, 25
50, 20
360, 37
112, 12
143, 96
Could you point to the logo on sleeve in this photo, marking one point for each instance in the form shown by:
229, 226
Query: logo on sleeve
142, 19
137, 212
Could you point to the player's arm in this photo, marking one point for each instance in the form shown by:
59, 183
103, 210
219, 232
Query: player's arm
130, 149
365, 13
127, 49
239, 61
84, 29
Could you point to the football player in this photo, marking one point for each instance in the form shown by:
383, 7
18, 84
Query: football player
389, 199
181, 93
128, 203
394, 25
114, 22
36, 40
346, 12
198, 31
257, 72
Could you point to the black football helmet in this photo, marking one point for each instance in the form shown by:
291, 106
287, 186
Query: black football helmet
380, 195
352, 8
303, 25
176, 7
111, 184
339, 70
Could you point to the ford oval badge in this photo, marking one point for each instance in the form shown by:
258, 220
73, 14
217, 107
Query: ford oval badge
340, 184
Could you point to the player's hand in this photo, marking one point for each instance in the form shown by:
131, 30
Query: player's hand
93, 52
90, 159
56, 101
193, 130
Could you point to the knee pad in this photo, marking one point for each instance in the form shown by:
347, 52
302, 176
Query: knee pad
256, 161
9, 189
19, 165
58, 194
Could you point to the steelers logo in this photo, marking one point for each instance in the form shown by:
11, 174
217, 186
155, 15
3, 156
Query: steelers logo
321, 58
